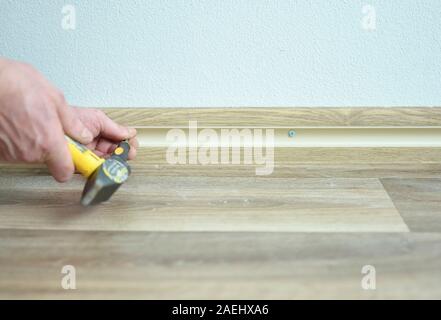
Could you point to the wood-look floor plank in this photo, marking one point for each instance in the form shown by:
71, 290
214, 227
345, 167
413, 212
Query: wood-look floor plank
331, 170
302, 170
418, 201
219, 265
203, 204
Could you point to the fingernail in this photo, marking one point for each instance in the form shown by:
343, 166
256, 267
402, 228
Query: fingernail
64, 177
86, 135
132, 132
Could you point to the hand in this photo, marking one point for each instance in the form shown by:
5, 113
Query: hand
106, 133
34, 117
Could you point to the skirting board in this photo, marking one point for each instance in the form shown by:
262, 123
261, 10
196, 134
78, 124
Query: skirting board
280, 117
343, 141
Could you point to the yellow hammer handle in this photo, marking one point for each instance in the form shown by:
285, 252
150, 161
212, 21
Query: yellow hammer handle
86, 162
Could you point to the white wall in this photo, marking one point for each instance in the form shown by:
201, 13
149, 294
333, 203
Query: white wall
231, 52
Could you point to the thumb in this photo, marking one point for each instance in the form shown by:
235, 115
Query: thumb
73, 126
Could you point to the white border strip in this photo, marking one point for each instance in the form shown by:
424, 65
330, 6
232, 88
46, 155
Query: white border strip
321, 137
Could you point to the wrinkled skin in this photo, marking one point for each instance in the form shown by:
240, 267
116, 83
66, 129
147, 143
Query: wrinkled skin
34, 117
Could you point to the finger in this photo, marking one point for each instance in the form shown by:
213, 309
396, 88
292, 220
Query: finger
72, 125
133, 148
108, 147
134, 143
101, 154
113, 131
105, 146
58, 159
92, 145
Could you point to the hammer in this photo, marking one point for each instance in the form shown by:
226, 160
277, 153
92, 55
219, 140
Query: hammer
104, 176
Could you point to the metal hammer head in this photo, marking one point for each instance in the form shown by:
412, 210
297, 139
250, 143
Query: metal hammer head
108, 177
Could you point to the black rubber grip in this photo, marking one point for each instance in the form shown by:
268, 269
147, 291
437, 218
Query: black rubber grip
125, 154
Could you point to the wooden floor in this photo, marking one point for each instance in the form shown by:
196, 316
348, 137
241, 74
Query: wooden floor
173, 234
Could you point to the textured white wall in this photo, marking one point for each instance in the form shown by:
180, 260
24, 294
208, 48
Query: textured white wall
231, 52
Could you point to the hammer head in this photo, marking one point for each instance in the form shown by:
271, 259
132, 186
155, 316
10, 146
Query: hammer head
108, 177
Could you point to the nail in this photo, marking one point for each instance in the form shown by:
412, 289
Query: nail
132, 132
86, 135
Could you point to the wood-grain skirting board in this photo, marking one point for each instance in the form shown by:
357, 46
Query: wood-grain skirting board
284, 117
344, 141
314, 158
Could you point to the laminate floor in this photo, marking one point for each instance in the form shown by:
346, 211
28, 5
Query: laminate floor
229, 236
